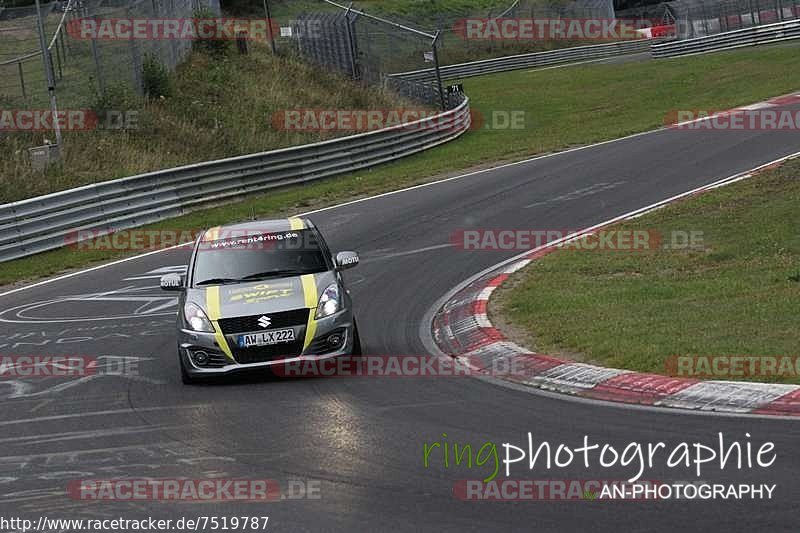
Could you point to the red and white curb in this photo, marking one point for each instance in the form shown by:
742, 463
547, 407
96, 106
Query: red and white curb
462, 329
778, 101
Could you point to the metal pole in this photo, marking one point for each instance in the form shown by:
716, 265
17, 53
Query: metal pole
351, 44
58, 59
22, 81
48, 72
269, 26
100, 79
438, 72
136, 62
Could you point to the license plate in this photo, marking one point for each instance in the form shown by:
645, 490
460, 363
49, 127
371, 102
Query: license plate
266, 338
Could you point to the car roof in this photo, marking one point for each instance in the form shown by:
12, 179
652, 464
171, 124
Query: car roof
255, 227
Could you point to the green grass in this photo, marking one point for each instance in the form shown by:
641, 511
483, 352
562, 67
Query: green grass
204, 120
563, 107
737, 294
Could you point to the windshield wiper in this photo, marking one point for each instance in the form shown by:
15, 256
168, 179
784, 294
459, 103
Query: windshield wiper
273, 274
217, 281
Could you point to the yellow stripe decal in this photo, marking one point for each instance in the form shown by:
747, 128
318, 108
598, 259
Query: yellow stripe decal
297, 224
311, 297
214, 314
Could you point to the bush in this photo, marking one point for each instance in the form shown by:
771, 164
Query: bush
155, 78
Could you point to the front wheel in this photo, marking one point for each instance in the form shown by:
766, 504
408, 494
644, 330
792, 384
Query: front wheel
356, 340
186, 378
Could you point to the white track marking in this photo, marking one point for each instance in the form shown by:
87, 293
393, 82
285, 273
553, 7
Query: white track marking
99, 413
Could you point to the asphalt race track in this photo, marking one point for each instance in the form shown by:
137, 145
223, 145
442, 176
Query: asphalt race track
361, 439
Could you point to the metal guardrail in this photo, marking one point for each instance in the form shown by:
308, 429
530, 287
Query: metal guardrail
535, 59
48, 222
755, 35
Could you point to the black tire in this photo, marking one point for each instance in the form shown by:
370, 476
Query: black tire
356, 340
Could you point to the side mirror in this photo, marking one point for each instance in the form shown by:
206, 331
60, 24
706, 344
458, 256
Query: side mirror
172, 282
345, 260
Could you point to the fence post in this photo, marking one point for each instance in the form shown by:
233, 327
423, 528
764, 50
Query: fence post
438, 72
22, 80
136, 59
366, 68
47, 60
269, 26
351, 43
63, 45
491, 37
101, 83
58, 59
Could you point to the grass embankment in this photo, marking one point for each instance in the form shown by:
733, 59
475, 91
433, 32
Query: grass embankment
737, 294
221, 107
563, 107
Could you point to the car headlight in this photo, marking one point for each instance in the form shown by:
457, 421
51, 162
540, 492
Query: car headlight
329, 303
197, 319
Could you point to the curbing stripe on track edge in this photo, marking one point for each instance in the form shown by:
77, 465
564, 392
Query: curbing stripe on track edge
483, 347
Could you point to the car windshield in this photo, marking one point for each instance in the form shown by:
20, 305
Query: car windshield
255, 256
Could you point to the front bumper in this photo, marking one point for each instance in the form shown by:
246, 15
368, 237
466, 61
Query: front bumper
191, 342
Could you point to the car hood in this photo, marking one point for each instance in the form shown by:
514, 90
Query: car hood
267, 296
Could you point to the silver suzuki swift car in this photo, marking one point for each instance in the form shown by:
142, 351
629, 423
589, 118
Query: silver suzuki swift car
260, 294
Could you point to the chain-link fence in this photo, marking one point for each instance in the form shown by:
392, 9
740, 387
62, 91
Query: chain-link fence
643, 15
454, 48
368, 48
21, 70
85, 68
696, 18
374, 49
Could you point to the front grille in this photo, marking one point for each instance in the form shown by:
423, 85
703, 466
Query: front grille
248, 324
265, 354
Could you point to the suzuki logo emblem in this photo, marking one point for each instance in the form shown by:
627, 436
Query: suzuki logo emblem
264, 321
